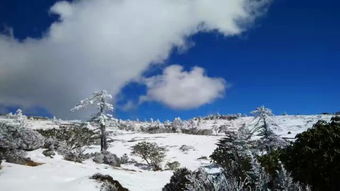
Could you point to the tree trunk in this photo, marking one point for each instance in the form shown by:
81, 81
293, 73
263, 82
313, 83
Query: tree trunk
103, 140
266, 134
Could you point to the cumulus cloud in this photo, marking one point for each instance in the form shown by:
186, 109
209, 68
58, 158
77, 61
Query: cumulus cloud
179, 89
103, 44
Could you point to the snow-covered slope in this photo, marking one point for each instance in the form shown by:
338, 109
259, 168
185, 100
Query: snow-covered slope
56, 174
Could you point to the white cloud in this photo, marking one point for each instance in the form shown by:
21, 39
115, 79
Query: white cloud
103, 44
179, 89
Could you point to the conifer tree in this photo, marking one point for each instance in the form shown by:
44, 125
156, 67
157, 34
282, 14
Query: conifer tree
101, 100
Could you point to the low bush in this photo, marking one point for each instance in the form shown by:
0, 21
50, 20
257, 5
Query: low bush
106, 157
75, 136
173, 165
14, 136
69, 141
108, 183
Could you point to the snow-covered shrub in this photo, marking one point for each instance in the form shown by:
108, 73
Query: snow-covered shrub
48, 153
51, 143
106, 157
124, 159
156, 129
14, 136
207, 178
202, 158
69, 141
108, 183
15, 140
314, 157
75, 136
150, 152
14, 156
75, 155
195, 131
204, 179
173, 165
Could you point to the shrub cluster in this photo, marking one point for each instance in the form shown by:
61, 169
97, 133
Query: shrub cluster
15, 139
68, 141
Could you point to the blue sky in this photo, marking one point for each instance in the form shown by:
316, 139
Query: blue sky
289, 60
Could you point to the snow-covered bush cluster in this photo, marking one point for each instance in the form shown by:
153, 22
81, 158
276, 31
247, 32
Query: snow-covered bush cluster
173, 165
106, 157
15, 139
74, 136
193, 126
69, 141
15, 136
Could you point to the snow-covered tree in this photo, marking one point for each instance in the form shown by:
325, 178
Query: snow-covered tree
258, 178
233, 154
101, 100
20, 118
178, 124
263, 128
150, 152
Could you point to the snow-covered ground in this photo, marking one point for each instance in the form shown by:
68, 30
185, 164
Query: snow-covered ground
56, 174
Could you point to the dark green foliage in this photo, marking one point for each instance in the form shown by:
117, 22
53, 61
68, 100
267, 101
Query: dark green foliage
271, 162
178, 180
75, 136
314, 158
150, 152
336, 119
231, 154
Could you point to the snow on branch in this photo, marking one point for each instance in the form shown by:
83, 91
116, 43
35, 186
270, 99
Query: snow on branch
100, 99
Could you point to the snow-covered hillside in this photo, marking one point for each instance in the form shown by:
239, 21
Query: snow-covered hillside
57, 174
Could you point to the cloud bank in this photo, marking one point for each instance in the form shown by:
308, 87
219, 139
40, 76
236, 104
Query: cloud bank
179, 89
104, 44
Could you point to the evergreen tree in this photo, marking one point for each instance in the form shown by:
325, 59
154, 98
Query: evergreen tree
233, 155
263, 128
314, 157
100, 99
178, 181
